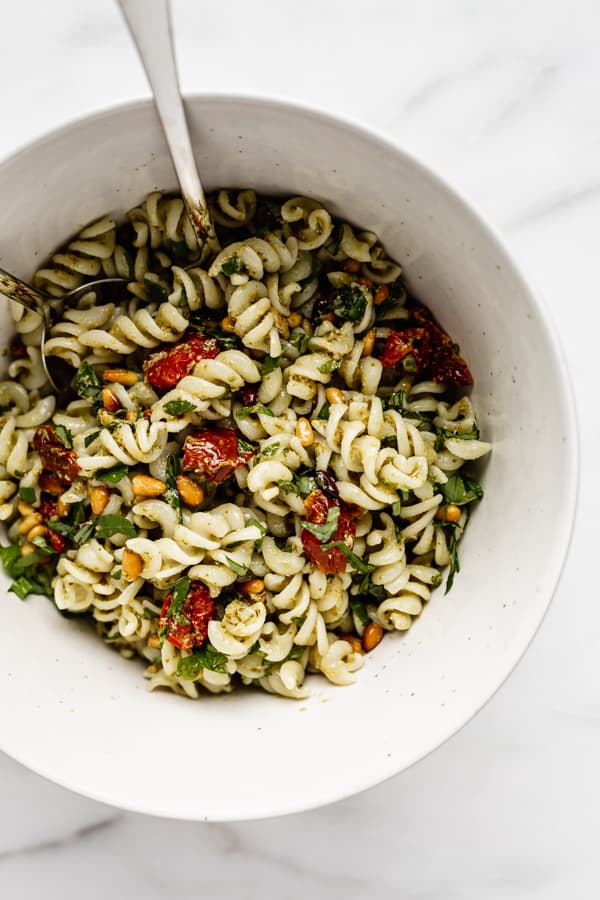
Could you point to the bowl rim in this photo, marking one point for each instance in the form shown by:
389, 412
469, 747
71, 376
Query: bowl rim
535, 299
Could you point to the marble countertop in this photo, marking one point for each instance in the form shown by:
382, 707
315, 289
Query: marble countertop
502, 99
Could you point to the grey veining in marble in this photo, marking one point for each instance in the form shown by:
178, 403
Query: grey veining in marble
503, 99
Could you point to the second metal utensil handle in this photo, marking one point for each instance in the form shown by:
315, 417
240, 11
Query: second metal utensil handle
25, 294
149, 22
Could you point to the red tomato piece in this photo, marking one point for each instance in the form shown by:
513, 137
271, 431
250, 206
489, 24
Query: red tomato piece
409, 342
165, 367
55, 457
47, 507
317, 506
17, 348
433, 352
198, 609
57, 541
215, 454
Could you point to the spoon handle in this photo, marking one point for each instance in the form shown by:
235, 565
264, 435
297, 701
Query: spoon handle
23, 293
149, 22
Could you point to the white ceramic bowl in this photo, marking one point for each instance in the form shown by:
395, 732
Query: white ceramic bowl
77, 713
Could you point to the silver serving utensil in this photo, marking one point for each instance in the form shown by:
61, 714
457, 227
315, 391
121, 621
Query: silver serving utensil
149, 22
58, 371
150, 26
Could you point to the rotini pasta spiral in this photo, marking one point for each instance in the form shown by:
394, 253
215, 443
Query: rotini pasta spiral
264, 468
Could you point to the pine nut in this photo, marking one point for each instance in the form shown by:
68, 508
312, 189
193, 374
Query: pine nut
120, 376
152, 670
255, 586
372, 636
154, 642
110, 401
25, 509
228, 324
131, 415
353, 641
334, 395
190, 492
281, 324
351, 265
26, 549
37, 531
28, 522
294, 320
450, 513
329, 317
98, 499
381, 294
365, 281
368, 343
62, 508
146, 486
131, 565
304, 432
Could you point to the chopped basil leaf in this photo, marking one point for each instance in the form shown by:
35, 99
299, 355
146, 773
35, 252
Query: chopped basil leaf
409, 363
442, 435
460, 490
359, 609
42, 544
270, 363
260, 525
27, 495
179, 407
172, 470
298, 621
269, 450
181, 589
350, 302
114, 475
206, 657
81, 534
87, 384
454, 561
324, 411
232, 266
235, 567
38, 583
156, 289
328, 528
107, 526
117, 574
330, 366
333, 247
352, 558
247, 411
91, 438
302, 484
299, 339
64, 436
396, 508
9, 555
296, 652
244, 446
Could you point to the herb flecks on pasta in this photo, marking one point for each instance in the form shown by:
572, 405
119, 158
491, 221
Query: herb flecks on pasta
263, 470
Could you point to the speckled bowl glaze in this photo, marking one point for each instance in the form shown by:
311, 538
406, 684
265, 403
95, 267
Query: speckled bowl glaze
78, 713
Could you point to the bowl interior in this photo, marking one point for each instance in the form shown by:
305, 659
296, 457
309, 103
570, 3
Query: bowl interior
78, 713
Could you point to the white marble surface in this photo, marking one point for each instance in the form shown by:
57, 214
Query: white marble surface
502, 98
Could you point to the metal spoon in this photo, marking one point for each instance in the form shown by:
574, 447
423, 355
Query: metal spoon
58, 371
149, 22
150, 25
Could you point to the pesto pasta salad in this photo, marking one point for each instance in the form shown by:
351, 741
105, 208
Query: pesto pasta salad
263, 468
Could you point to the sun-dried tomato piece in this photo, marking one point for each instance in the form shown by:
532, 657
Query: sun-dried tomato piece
56, 459
17, 348
165, 367
249, 394
57, 541
426, 350
413, 342
317, 506
48, 507
215, 454
189, 628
